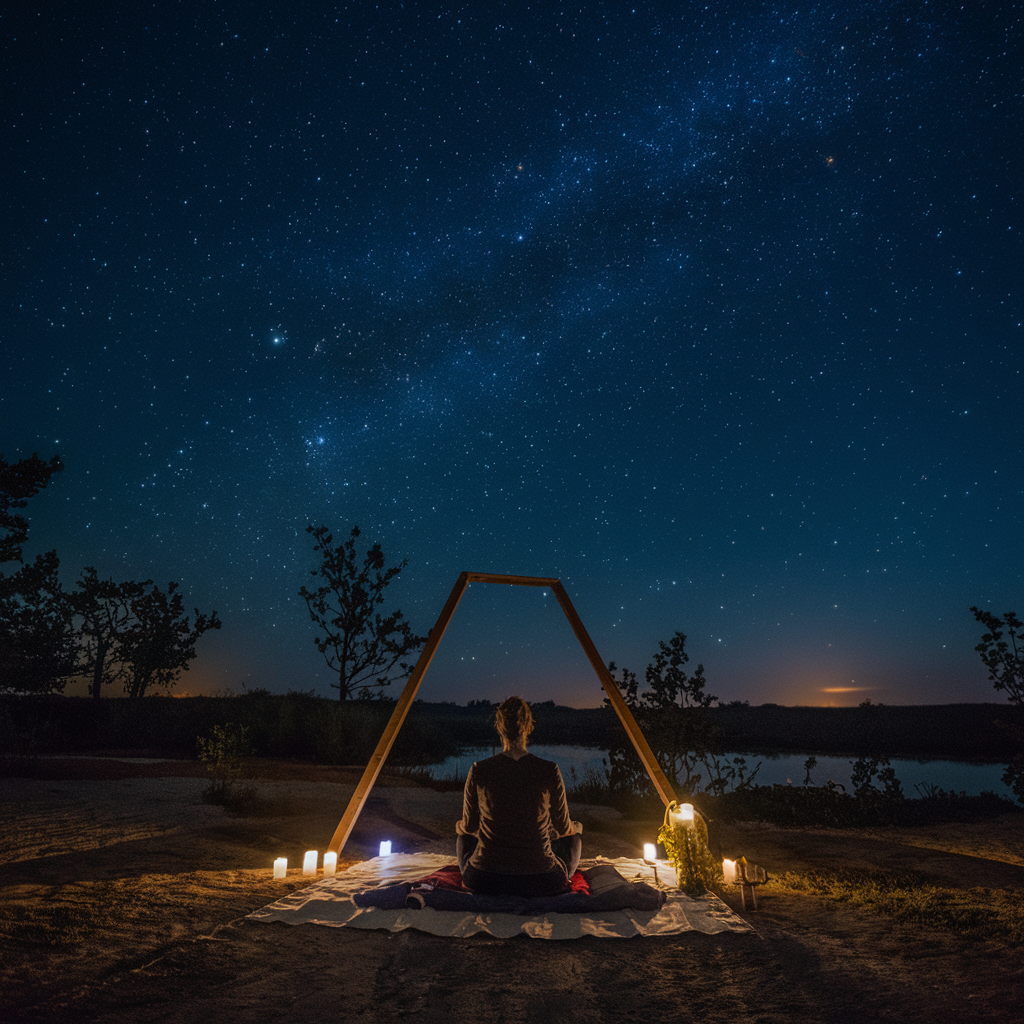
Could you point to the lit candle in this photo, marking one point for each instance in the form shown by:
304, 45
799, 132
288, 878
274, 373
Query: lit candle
330, 864
650, 852
309, 862
729, 871
385, 848
280, 867
686, 812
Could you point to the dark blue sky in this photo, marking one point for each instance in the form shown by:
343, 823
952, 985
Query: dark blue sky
711, 311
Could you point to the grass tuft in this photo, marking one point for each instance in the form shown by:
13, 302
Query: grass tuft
422, 776
57, 926
913, 899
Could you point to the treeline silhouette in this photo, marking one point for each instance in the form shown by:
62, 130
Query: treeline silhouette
307, 727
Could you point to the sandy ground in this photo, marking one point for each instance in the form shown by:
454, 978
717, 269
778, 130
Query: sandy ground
123, 898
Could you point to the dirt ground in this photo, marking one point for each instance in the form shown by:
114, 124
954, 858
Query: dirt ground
123, 898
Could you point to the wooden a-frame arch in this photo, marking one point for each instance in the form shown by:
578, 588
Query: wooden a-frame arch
387, 739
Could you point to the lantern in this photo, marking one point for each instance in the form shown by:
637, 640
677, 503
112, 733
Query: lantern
681, 814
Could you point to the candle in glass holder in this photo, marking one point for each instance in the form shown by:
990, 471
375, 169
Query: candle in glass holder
280, 867
330, 864
385, 848
309, 862
650, 851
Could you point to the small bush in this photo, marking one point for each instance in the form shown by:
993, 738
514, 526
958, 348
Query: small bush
223, 753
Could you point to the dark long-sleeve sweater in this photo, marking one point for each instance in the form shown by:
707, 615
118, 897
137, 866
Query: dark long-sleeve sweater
515, 808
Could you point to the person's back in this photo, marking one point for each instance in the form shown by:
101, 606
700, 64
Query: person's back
515, 807
516, 836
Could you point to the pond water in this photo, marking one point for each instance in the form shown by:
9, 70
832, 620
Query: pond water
958, 776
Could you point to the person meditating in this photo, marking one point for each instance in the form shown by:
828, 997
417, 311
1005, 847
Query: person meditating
515, 837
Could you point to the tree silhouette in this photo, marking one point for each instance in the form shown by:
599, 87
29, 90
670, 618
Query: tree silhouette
365, 650
36, 643
135, 633
161, 643
20, 481
105, 610
673, 713
1004, 659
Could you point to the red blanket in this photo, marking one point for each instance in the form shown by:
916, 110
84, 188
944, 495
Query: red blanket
449, 877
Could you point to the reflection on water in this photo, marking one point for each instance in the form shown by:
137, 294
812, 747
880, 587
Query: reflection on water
957, 776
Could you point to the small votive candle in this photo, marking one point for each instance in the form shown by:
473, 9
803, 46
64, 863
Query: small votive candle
330, 864
309, 862
729, 871
281, 867
650, 851
385, 848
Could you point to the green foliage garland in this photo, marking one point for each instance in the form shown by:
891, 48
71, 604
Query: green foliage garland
687, 848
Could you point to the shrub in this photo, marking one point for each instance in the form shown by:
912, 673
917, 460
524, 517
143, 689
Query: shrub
223, 753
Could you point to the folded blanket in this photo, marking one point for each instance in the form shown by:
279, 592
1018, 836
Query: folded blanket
606, 890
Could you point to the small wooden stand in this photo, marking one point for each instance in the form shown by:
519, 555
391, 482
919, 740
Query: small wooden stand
748, 877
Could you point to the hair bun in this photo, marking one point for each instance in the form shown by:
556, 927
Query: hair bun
514, 721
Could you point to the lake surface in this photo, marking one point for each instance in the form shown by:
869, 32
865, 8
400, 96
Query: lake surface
958, 776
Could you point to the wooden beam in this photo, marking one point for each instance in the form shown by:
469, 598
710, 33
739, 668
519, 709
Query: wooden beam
387, 739
516, 581
639, 741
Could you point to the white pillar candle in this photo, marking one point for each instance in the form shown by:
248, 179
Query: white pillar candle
650, 852
729, 871
686, 812
330, 864
385, 848
309, 862
280, 867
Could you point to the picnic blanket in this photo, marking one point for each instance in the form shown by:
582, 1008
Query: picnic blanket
331, 902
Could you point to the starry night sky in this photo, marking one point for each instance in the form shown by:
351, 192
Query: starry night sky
713, 311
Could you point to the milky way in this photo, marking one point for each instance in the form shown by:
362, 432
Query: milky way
713, 312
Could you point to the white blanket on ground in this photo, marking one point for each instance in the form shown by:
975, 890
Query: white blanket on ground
329, 902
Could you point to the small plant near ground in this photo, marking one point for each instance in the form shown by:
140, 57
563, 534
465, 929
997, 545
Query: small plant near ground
224, 753
422, 776
915, 899
865, 772
589, 786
